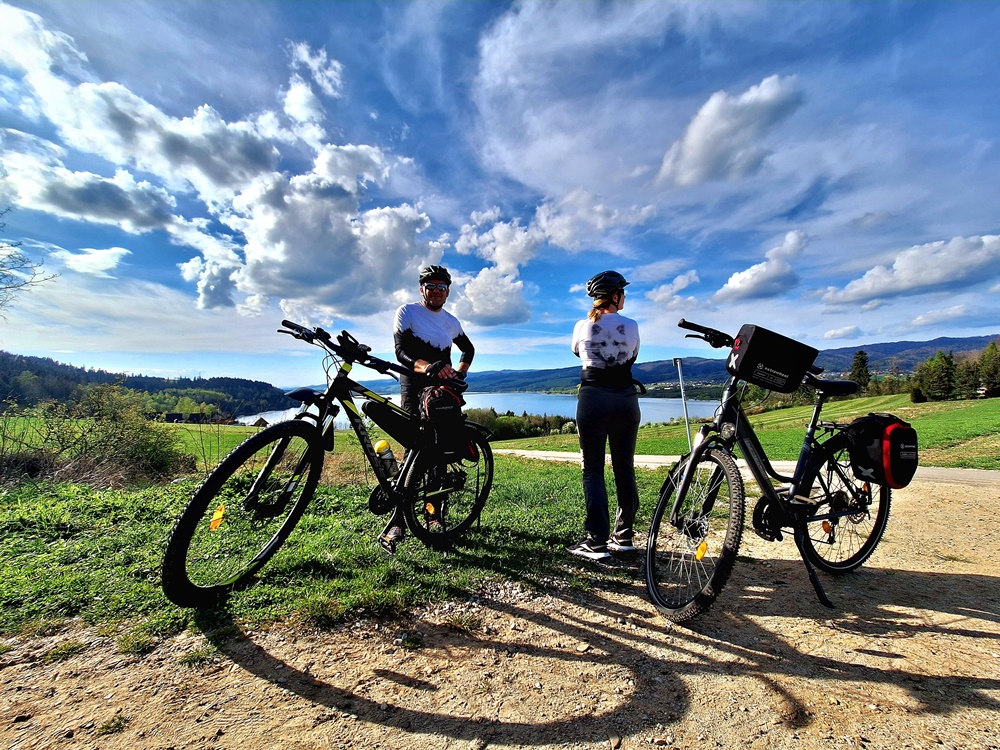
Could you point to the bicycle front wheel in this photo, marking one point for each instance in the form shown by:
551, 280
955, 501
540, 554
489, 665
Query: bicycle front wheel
689, 560
446, 493
242, 513
849, 517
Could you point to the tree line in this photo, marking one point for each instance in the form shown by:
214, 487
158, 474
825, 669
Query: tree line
28, 381
939, 378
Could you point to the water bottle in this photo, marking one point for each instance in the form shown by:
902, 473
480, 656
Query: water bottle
384, 451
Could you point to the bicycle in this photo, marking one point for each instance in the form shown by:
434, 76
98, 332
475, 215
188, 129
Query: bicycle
836, 518
248, 505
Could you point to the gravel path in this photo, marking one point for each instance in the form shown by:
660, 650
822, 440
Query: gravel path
910, 658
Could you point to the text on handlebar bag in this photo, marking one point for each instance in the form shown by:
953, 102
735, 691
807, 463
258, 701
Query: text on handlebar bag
768, 359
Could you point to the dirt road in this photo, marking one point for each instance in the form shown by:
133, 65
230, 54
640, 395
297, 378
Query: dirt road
910, 658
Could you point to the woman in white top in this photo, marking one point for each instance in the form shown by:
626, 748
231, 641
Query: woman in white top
607, 412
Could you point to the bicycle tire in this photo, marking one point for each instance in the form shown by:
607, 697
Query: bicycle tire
444, 496
842, 544
225, 535
687, 567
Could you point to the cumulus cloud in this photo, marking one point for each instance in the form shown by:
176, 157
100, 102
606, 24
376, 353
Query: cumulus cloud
41, 182
846, 332
305, 239
726, 139
770, 278
936, 266
493, 298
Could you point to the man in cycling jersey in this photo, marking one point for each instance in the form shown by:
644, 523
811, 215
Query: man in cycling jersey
424, 333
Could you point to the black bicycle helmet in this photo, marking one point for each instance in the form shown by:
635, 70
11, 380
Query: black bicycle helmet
605, 284
435, 273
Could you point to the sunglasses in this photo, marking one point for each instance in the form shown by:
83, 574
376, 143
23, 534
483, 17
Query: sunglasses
432, 287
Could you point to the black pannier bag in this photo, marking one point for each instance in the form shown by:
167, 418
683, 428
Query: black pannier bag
402, 427
768, 359
883, 449
441, 411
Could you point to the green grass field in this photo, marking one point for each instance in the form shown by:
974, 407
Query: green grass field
959, 434
67, 551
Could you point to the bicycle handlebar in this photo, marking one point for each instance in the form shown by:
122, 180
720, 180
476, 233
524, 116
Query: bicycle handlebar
350, 349
716, 339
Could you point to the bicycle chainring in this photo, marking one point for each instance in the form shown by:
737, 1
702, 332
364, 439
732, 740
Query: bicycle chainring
379, 502
768, 520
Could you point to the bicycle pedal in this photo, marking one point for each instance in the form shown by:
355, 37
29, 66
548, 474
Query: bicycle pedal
768, 536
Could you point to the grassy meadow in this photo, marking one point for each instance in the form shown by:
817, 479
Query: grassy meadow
69, 552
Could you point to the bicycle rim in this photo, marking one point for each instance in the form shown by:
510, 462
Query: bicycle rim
445, 497
242, 513
857, 516
688, 564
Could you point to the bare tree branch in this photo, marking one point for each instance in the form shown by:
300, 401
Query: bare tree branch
18, 272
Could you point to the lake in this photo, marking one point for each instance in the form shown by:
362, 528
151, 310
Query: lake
552, 404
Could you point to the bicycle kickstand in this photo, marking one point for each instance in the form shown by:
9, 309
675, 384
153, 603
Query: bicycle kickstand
813, 578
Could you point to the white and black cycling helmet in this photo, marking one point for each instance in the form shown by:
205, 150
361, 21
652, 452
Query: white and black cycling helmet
606, 284
435, 273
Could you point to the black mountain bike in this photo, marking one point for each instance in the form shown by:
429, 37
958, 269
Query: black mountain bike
248, 505
836, 519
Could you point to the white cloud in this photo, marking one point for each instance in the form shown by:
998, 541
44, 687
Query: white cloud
657, 270
934, 317
581, 217
505, 243
666, 296
493, 298
301, 104
328, 74
770, 278
725, 140
847, 332
937, 266
91, 260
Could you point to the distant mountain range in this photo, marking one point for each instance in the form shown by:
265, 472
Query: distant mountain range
904, 356
26, 380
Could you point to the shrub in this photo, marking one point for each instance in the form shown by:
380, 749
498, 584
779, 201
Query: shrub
101, 438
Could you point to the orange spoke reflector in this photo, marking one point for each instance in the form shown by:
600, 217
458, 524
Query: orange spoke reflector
429, 508
701, 551
827, 527
216, 521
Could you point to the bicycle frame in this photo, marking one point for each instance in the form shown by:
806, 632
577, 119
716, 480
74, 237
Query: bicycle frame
730, 428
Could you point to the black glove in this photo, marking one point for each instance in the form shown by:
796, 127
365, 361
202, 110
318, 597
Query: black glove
435, 367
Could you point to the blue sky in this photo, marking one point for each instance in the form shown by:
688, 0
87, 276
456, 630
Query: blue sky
196, 171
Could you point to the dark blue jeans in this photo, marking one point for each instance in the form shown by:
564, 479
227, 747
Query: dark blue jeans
608, 416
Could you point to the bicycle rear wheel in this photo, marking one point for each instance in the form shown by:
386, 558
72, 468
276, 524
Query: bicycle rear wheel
242, 513
446, 494
849, 518
688, 563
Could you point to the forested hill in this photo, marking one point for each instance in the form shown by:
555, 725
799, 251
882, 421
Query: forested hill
28, 380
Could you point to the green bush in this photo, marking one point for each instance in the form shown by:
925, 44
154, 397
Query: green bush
100, 438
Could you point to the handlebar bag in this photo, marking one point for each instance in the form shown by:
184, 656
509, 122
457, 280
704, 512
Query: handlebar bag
883, 449
441, 410
768, 359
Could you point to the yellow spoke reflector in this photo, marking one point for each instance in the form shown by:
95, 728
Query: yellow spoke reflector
216, 521
429, 507
827, 527
701, 551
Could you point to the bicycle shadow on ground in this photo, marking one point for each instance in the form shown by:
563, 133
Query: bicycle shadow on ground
633, 672
908, 630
